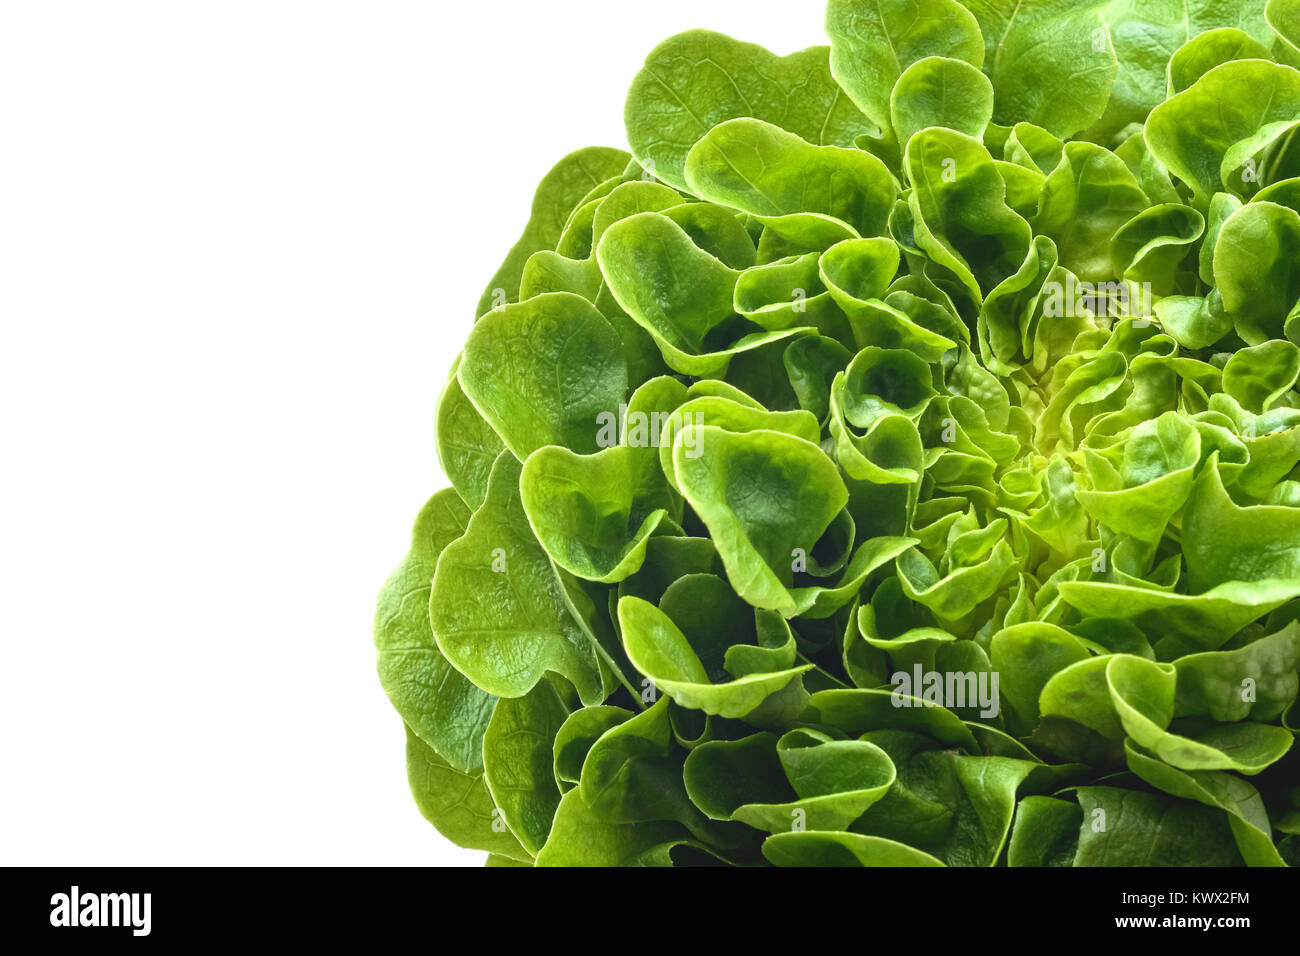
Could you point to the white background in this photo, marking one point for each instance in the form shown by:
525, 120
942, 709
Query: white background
240, 244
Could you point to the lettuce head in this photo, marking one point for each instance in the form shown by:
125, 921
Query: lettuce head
890, 460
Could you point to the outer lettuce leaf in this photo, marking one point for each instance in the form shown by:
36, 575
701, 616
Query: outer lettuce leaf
440, 705
457, 802
695, 80
497, 607
541, 371
561, 189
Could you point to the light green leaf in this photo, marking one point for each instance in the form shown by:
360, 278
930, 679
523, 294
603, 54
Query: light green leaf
804, 780
662, 652
457, 802
941, 91
1257, 680
1204, 52
559, 192
467, 445
1257, 267
1148, 33
517, 762
437, 702
958, 205
858, 711
695, 80
1027, 656
817, 848
1045, 832
541, 371
781, 180
1051, 62
1194, 132
765, 497
1246, 814
1132, 828
956, 807
580, 837
1225, 543
1085, 201
498, 610
589, 512
873, 43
